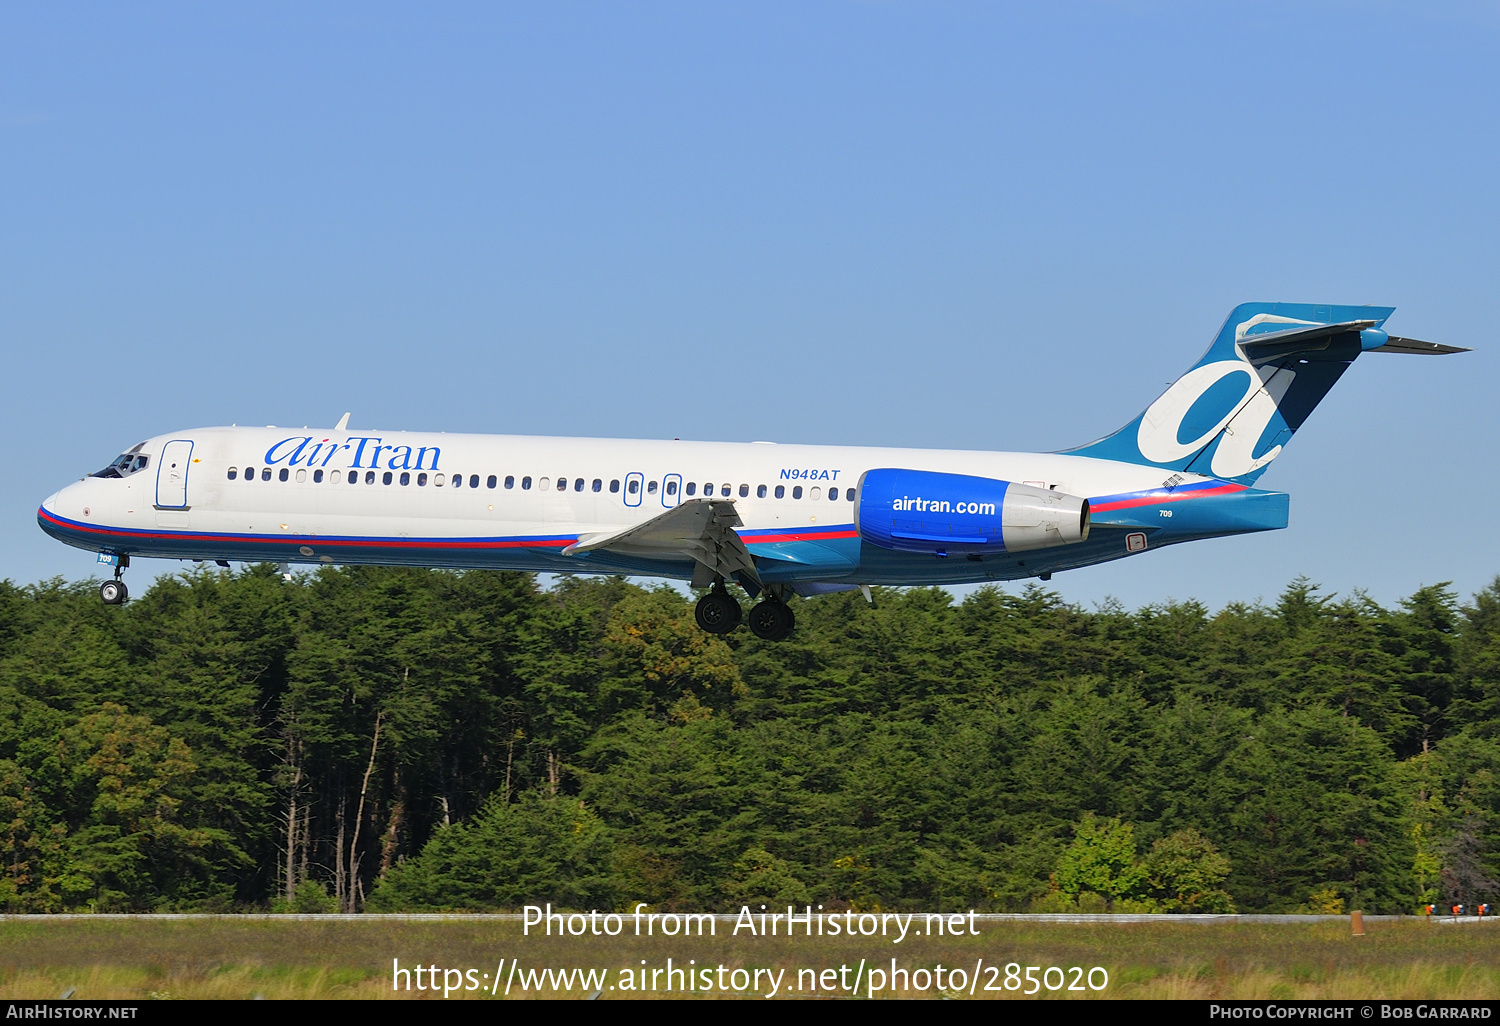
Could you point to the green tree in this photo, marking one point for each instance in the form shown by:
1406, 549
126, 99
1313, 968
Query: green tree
1186, 873
127, 847
660, 661
539, 848
1101, 859
760, 878
30, 844
1423, 639
1476, 702
1308, 799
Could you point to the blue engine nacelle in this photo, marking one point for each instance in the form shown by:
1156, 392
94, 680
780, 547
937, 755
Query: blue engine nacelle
923, 511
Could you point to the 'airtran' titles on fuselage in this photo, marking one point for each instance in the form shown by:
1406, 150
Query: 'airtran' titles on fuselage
359, 452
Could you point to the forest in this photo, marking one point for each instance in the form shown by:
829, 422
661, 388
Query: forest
405, 740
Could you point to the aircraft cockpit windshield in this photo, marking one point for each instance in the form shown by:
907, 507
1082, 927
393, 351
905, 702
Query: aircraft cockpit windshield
125, 464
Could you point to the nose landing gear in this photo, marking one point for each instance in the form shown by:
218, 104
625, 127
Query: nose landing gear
114, 593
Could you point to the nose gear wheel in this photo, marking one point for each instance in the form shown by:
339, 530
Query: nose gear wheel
114, 593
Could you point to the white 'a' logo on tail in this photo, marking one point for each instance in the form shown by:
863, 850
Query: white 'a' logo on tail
1243, 417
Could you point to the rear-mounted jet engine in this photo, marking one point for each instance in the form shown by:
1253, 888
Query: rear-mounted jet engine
923, 511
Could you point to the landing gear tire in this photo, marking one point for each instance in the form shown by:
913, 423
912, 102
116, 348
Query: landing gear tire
113, 593
717, 612
772, 620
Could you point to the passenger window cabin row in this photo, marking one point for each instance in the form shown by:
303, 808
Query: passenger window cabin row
438, 480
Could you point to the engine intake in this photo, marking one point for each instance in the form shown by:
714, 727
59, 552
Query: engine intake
924, 511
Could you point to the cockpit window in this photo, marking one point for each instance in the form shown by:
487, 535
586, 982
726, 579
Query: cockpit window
125, 465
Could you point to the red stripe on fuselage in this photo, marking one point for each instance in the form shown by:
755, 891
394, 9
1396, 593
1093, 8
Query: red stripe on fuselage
324, 540
760, 539
334, 541
1158, 498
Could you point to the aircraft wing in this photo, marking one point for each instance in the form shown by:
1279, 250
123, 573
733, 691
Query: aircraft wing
698, 529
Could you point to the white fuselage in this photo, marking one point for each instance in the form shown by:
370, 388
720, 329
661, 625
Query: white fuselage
460, 500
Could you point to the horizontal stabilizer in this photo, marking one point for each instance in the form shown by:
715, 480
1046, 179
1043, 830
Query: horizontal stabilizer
1263, 349
1417, 346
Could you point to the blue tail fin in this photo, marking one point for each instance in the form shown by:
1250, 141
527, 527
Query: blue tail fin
1231, 414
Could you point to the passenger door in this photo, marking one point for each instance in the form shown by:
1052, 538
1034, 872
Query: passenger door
172, 474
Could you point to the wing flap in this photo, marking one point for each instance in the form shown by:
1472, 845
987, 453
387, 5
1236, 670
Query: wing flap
699, 529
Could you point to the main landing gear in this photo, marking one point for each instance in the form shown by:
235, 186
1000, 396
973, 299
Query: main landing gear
772, 620
718, 613
114, 593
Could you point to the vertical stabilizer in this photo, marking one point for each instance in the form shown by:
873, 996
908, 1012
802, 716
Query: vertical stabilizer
1232, 413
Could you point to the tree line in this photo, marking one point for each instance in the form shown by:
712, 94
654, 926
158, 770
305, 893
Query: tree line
395, 739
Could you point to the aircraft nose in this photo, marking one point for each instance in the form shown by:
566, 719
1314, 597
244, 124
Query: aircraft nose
63, 501
56, 502
60, 513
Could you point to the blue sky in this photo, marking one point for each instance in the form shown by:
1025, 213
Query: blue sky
984, 226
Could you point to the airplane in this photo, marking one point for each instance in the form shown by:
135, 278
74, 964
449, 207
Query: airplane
778, 520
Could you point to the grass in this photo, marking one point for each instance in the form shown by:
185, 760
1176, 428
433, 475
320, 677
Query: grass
226, 957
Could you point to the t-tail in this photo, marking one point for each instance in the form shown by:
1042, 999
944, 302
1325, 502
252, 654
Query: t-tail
1270, 365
